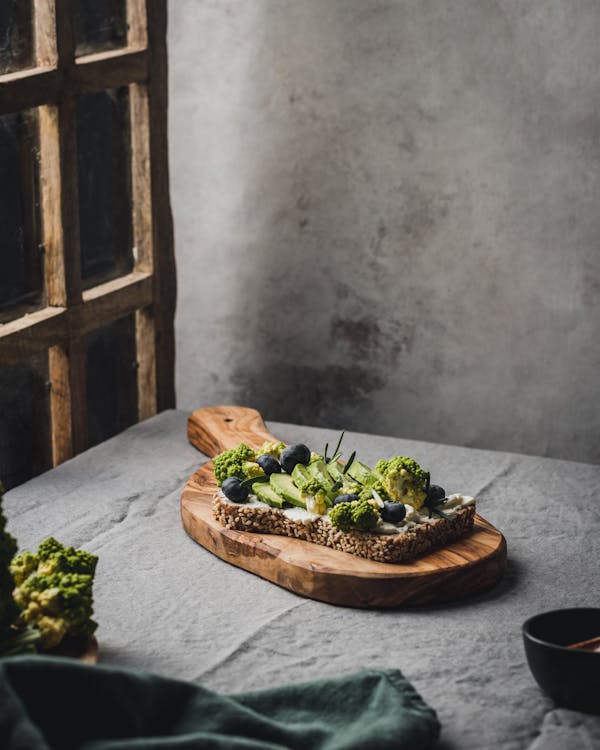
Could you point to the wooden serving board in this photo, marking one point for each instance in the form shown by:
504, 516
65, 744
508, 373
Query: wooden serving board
464, 567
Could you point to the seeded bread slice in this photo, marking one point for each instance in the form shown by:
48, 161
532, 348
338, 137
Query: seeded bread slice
389, 548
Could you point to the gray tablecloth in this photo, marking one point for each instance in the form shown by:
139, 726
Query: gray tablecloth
166, 605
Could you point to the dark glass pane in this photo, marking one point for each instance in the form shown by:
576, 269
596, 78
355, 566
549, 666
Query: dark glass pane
103, 162
16, 35
99, 25
111, 380
21, 284
24, 421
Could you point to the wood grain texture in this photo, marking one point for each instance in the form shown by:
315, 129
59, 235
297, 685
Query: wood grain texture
469, 565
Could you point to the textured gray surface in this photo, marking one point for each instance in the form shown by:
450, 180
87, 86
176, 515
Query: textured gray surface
165, 604
386, 215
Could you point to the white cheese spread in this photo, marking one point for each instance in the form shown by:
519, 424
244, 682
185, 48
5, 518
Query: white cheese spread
452, 504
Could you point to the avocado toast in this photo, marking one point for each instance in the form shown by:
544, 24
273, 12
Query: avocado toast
389, 513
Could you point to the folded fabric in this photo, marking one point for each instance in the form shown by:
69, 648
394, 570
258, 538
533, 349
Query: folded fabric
48, 702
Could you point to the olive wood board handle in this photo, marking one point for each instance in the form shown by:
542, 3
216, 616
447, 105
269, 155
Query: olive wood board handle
471, 564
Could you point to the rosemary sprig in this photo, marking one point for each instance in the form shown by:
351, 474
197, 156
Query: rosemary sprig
339, 443
349, 462
438, 512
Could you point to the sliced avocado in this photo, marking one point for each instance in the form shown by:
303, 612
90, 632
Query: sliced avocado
267, 494
287, 490
318, 470
335, 469
362, 473
301, 475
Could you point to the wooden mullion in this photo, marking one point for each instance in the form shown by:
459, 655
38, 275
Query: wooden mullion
164, 287
28, 88
60, 404
113, 300
65, 38
21, 338
137, 23
45, 33
141, 178
106, 70
143, 245
145, 346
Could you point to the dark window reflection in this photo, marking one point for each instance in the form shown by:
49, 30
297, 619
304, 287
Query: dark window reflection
21, 283
24, 421
103, 162
111, 380
99, 25
16, 35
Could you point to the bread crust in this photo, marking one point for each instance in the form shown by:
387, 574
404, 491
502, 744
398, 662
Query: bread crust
389, 548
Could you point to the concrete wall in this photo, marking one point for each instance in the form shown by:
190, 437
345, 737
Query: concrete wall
387, 216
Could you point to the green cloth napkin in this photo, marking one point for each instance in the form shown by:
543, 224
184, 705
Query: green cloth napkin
48, 702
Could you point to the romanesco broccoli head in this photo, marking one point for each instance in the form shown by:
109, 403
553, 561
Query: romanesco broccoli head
54, 591
58, 604
341, 516
361, 515
271, 449
364, 515
403, 479
231, 463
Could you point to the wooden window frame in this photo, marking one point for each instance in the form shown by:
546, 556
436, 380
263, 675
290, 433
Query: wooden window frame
149, 290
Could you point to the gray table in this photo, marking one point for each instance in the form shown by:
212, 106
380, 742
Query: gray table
166, 605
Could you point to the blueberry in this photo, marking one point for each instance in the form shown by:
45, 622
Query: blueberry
233, 490
345, 499
435, 494
393, 512
298, 453
269, 464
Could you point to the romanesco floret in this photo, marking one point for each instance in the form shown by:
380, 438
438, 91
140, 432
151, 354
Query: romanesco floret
350, 488
366, 492
341, 516
361, 515
403, 479
315, 497
271, 449
54, 591
237, 462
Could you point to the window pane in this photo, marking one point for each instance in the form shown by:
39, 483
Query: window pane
103, 161
16, 35
24, 421
111, 379
21, 283
99, 25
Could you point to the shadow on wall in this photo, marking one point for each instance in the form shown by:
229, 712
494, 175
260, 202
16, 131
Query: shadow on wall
329, 327
407, 233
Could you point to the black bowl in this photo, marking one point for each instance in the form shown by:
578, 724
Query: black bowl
571, 677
